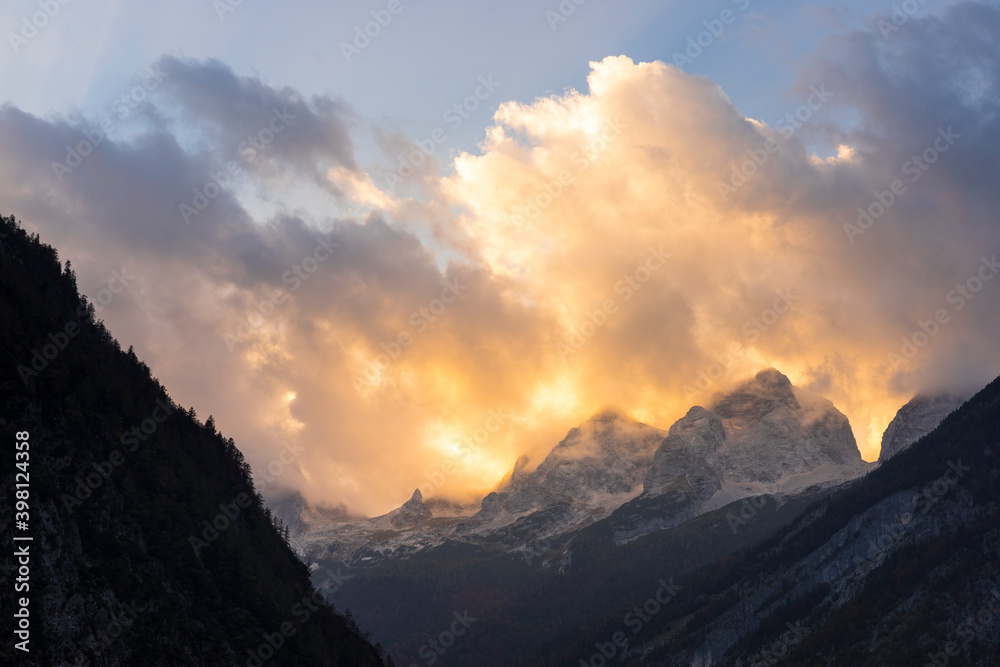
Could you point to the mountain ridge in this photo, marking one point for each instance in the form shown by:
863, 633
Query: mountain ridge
771, 439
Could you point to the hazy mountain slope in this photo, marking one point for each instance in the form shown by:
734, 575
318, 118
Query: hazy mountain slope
917, 418
122, 484
598, 466
527, 615
605, 457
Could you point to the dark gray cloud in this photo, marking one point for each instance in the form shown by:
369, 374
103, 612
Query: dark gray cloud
236, 115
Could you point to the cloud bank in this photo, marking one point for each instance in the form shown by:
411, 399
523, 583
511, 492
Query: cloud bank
641, 244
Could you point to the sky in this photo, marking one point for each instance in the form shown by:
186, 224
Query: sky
395, 245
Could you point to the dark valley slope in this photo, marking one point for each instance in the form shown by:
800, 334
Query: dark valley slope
150, 545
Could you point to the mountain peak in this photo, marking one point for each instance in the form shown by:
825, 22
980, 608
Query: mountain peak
412, 513
768, 390
772, 377
762, 432
607, 414
607, 455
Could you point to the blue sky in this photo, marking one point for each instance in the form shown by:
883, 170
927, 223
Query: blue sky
427, 58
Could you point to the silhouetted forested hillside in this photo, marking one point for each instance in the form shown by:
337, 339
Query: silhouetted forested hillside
150, 545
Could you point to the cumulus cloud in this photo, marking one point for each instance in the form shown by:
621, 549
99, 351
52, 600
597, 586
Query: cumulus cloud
600, 247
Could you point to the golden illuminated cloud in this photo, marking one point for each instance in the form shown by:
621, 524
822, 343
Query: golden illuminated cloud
640, 244
602, 265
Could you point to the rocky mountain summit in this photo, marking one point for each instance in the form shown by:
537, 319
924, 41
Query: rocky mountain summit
766, 433
766, 437
413, 512
594, 469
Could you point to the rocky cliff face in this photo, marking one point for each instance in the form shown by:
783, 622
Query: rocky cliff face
774, 430
915, 420
598, 464
764, 438
413, 512
681, 461
777, 434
